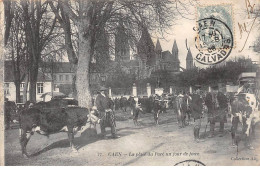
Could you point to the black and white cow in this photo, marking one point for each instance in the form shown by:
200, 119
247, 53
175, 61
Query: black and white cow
69, 119
244, 111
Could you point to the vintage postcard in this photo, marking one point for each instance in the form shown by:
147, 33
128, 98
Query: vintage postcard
130, 83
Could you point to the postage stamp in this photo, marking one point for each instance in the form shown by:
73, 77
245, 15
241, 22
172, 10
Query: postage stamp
214, 38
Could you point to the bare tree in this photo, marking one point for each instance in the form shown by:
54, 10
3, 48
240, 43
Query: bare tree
16, 49
91, 16
9, 14
39, 26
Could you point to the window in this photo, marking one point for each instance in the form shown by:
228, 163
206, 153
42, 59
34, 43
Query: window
21, 85
6, 89
67, 77
61, 77
54, 77
39, 88
103, 78
21, 99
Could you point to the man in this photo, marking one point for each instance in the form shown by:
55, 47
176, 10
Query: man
7, 112
223, 109
197, 112
210, 105
105, 114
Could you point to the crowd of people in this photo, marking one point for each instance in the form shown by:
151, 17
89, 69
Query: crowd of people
214, 105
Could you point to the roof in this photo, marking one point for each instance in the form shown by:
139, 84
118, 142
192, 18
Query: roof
9, 76
189, 55
247, 75
55, 94
158, 46
145, 47
168, 57
58, 67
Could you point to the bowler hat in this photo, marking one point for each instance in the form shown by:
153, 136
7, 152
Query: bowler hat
102, 88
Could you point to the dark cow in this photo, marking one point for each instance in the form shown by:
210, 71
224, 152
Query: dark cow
51, 117
69, 119
241, 112
147, 104
182, 108
9, 111
197, 110
158, 108
117, 103
123, 103
111, 104
135, 108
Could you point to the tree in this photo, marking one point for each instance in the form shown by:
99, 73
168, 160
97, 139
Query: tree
91, 16
9, 14
16, 49
39, 26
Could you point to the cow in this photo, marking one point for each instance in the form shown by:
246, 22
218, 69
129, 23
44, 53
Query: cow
158, 108
197, 108
52, 117
9, 111
241, 112
70, 120
135, 109
123, 103
255, 116
182, 109
117, 103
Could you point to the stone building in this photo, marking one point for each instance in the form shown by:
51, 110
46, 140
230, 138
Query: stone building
148, 58
165, 60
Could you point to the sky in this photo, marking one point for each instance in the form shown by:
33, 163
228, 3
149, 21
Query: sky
184, 30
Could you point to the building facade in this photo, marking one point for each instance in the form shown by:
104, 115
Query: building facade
44, 84
148, 58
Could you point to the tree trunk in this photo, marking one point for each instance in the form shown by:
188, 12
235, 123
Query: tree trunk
74, 89
82, 73
17, 92
33, 82
25, 88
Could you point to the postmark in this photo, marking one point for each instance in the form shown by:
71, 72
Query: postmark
214, 39
190, 163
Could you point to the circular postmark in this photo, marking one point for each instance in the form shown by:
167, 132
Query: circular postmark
190, 163
214, 41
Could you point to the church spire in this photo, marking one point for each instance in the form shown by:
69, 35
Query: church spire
145, 47
189, 55
175, 51
189, 60
158, 47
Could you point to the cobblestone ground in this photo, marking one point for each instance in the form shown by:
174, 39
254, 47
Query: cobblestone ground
146, 144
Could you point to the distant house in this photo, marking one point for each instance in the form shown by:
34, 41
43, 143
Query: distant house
43, 84
56, 75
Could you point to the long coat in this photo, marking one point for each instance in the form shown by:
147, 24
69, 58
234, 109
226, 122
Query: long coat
102, 103
107, 119
196, 106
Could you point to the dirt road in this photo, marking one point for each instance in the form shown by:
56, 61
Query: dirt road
146, 144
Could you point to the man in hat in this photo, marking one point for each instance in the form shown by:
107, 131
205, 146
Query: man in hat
196, 107
105, 113
7, 112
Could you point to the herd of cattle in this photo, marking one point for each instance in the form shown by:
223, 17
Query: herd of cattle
65, 115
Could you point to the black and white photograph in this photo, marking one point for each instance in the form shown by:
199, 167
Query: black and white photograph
129, 83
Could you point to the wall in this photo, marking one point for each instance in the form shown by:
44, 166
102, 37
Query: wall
12, 91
